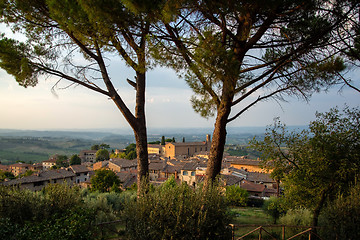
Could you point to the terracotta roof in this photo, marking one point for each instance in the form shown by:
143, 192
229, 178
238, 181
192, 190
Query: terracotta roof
19, 165
190, 166
157, 165
260, 177
42, 176
174, 162
230, 179
129, 181
88, 151
124, 176
155, 146
79, 168
172, 169
4, 167
249, 162
124, 162
50, 161
252, 187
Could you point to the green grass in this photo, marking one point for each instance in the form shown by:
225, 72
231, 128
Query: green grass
251, 215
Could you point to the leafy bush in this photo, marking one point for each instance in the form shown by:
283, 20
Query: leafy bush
106, 205
236, 196
177, 212
274, 207
341, 219
57, 212
296, 217
104, 180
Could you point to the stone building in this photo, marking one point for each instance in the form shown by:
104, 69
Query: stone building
88, 156
185, 149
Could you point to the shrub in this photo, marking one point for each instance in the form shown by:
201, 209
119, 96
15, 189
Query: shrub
341, 218
274, 207
106, 205
177, 212
296, 217
236, 196
57, 212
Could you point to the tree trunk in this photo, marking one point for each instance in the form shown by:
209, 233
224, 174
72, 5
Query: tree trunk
138, 124
317, 211
219, 135
142, 157
141, 134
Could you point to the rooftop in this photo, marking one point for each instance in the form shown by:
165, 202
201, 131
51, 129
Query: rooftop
79, 168
42, 176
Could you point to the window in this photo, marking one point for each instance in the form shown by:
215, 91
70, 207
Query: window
185, 173
192, 173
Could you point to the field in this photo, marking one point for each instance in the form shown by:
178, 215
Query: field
30, 149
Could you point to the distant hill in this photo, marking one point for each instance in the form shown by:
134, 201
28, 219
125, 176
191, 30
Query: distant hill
37, 146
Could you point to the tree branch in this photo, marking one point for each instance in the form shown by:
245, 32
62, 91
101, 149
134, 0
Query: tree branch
112, 91
184, 52
347, 83
71, 79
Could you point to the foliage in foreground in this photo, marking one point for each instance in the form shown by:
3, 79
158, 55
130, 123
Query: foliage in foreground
58, 212
178, 212
341, 218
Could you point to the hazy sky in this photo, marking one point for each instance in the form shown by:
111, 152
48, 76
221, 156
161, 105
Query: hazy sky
167, 104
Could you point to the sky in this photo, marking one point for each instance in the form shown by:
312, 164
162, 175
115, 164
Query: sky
167, 104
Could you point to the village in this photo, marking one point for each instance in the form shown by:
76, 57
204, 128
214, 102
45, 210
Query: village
185, 161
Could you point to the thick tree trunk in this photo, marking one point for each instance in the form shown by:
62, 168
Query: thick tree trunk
219, 136
141, 133
142, 157
138, 124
